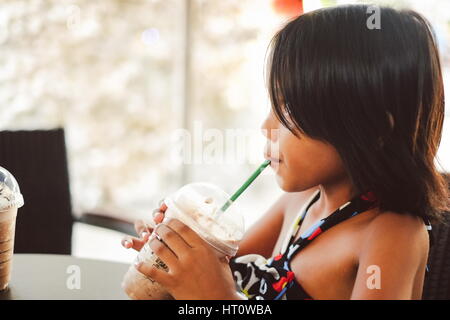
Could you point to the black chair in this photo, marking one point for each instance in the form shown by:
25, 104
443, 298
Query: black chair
437, 281
38, 160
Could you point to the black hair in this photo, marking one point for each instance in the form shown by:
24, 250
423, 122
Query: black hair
376, 95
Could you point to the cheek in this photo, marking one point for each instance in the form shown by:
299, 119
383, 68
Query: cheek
307, 163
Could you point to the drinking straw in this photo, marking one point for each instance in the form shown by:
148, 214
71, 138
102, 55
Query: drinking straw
246, 184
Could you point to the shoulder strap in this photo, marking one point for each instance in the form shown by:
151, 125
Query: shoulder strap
301, 214
430, 230
358, 204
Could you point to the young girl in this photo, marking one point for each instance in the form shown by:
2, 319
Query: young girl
355, 125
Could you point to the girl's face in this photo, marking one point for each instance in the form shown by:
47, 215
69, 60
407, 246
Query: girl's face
300, 162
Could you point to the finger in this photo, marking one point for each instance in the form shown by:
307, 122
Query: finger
142, 228
159, 275
158, 214
189, 236
134, 243
172, 240
159, 217
161, 202
163, 207
126, 243
155, 212
163, 252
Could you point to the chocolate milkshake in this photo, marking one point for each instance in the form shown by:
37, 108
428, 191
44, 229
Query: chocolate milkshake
10, 200
194, 205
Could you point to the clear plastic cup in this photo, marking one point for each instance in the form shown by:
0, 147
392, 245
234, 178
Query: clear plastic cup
10, 200
194, 205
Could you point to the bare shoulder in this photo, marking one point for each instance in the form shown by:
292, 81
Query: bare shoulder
393, 222
391, 229
394, 249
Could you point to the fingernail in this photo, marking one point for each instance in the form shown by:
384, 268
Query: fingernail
144, 234
126, 243
137, 264
155, 212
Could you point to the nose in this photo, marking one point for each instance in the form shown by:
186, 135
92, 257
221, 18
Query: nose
268, 128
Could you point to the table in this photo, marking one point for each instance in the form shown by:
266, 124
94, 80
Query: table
63, 277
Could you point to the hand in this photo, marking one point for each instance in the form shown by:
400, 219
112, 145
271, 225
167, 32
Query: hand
195, 270
144, 230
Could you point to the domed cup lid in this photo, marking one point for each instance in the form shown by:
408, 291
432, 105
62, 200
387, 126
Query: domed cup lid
10, 195
196, 203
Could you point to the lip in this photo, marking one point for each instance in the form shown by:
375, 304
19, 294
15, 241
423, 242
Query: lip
272, 159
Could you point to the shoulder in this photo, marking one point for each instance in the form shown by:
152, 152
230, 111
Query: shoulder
393, 254
396, 233
396, 224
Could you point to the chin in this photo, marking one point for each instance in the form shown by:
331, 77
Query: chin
285, 185
292, 186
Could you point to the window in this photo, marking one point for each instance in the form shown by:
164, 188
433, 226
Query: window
124, 77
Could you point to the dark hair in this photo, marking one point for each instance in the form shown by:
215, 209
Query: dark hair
376, 95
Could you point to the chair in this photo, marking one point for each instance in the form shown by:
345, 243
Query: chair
38, 161
437, 280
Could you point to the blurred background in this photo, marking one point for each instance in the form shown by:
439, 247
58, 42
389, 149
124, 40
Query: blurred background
116, 83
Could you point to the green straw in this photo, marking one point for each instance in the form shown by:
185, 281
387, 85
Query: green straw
246, 184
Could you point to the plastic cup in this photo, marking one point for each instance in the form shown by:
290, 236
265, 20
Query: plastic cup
194, 205
10, 200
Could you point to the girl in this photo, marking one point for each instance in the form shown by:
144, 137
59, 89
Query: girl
355, 125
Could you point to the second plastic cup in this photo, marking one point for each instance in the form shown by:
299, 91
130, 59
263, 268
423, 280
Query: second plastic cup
10, 200
194, 205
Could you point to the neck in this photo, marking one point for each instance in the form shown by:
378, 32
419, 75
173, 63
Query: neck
332, 196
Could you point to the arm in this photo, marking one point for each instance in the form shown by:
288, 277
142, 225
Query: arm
394, 252
262, 236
